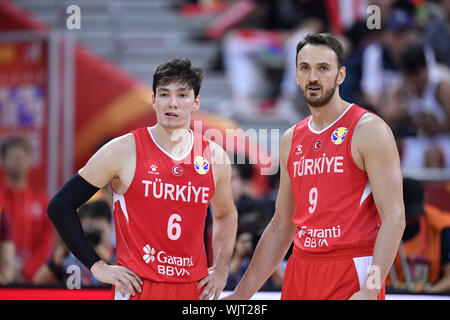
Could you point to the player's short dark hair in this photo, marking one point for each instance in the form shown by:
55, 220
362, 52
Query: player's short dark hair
15, 141
178, 70
97, 209
412, 58
323, 39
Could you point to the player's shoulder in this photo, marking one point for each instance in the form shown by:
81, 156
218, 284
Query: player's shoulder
288, 134
372, 130
116, 153
286, 138
285, 143
371, 122
218, 154
121, 144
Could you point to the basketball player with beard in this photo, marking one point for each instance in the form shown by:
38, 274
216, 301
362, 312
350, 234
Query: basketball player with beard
163, 178
340, 196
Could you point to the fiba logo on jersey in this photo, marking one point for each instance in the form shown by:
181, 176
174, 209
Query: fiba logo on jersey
201, 165
338, 135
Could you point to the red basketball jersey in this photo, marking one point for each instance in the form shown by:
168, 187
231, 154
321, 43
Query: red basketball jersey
160, 219
335, 210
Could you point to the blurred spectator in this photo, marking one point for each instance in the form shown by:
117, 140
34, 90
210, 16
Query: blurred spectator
245, 245
359, 37
270, 197
242, 255
342, 14
425, 247
380, 61
421, 100
254, 57
243, 194
253, 216
7, 250
247, 54
96, 219
436, 33
288, 14
32, 230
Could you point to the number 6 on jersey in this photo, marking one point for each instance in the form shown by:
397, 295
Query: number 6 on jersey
173, 227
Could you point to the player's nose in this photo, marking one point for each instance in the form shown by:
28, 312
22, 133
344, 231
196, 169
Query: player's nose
173, 101
313, 76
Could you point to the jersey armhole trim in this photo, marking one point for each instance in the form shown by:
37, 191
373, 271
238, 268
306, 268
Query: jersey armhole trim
349, 146
133, 135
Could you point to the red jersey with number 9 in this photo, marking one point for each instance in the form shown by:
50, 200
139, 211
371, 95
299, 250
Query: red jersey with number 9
160, 219
335, 212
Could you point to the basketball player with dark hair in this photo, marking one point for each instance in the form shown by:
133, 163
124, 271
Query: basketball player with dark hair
163, 178
340, 196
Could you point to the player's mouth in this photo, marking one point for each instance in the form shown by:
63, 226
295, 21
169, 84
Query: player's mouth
313, 90
171, 115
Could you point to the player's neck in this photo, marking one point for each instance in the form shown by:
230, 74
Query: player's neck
325, 115
172, 140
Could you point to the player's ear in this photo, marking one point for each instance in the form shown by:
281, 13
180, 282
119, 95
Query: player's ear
296, 76
153, 101
341, 75
196, 103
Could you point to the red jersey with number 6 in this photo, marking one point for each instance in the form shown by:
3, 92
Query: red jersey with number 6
160, 219
335, 212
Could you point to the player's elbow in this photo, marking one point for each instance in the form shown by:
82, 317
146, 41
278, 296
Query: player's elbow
228, 216
54, 207
401, 221
233, 217
400, 218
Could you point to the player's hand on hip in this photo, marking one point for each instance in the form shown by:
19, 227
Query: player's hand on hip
212, 285
125, 280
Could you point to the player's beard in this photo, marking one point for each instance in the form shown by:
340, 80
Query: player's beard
320, 100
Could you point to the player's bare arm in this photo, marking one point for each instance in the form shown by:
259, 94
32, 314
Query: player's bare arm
224, 225
375, 152
277, 236
115, 163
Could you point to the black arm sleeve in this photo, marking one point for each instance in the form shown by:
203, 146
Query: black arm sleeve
62, 212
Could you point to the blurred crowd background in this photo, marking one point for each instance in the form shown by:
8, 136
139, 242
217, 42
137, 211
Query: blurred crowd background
66, 89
